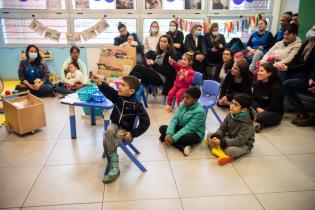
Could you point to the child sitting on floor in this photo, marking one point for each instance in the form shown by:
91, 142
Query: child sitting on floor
236, 136
74, 77
187, 127
126, 109
184, 78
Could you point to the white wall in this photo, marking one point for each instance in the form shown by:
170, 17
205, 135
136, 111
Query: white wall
289, 5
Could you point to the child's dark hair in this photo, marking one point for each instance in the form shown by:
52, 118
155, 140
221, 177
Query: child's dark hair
132, 81
190, 57
75, 63
194, 92
244, 100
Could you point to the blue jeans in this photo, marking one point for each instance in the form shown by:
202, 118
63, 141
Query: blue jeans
292, 86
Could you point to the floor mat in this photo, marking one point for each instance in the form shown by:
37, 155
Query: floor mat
10, 85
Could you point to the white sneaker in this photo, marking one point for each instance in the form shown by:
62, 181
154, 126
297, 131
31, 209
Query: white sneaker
187, 150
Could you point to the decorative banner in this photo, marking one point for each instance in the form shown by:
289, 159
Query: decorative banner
101, 26
37, 26
73, 37
89, 34
52, 34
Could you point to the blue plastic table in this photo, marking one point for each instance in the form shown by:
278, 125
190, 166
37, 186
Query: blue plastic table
106, 105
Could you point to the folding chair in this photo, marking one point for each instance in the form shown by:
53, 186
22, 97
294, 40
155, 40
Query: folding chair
209, 96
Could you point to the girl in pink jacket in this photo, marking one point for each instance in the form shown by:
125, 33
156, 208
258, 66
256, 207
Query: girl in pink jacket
184, 78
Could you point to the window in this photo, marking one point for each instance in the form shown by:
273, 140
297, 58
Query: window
163, 23
103, 4
33, 4
17, 31
108, 36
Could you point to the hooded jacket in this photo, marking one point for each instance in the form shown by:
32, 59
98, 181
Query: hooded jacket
237, 131
125, 111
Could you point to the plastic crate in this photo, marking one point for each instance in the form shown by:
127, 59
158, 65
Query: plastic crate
85, 94
98, 111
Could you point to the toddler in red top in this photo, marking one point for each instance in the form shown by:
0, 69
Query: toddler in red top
184, 78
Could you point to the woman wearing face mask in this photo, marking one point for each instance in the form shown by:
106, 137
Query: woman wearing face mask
152, 40
195, 43
301, 78
178, 38
215, 46
158, 71
34, 74
258, 44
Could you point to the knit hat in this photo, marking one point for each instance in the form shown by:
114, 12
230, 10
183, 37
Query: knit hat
243, 99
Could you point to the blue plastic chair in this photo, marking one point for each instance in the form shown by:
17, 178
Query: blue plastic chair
209, 96
197, 79
141, 95
154, 90
124, 146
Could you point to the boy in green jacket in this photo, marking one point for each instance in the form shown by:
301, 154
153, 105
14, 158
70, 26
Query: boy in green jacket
187, 127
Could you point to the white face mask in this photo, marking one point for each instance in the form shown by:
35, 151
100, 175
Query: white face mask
310, 34
215, 33
154, 30
32, 55
172, 29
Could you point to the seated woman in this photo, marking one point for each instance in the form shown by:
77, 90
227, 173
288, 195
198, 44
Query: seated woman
178, 38
285, 20
195, 43
258, 44
284, 51
152, 40
187, 127
74, 57
301, 78
238, 80
34, 74
158, 72
127, 39
222, 69
215, 43
268, 96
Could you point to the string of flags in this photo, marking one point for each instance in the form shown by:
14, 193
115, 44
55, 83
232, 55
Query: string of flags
72, 37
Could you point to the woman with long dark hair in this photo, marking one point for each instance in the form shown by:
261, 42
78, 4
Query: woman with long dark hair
158, 72
34, 73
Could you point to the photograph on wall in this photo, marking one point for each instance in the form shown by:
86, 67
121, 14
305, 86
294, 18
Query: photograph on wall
192, 4
52, 34
153, 4
73, 37
82, 4
89, 34
37, 26
101, 26
249, 4
220, 4
124, 4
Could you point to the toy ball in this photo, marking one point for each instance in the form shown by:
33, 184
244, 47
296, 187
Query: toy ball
7, 92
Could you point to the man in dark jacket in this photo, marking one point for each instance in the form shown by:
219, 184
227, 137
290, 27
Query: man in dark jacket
123, 116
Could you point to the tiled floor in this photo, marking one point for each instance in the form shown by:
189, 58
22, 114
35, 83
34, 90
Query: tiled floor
48, 170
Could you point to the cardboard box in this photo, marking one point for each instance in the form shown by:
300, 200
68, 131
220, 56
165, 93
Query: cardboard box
24, 113
116, 60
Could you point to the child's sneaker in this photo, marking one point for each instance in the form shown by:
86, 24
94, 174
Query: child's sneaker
187, 150
224, 160
114, 171
258, 127
168, 108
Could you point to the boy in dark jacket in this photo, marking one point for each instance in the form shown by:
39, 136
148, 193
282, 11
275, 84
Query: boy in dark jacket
236, 136
126, 108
